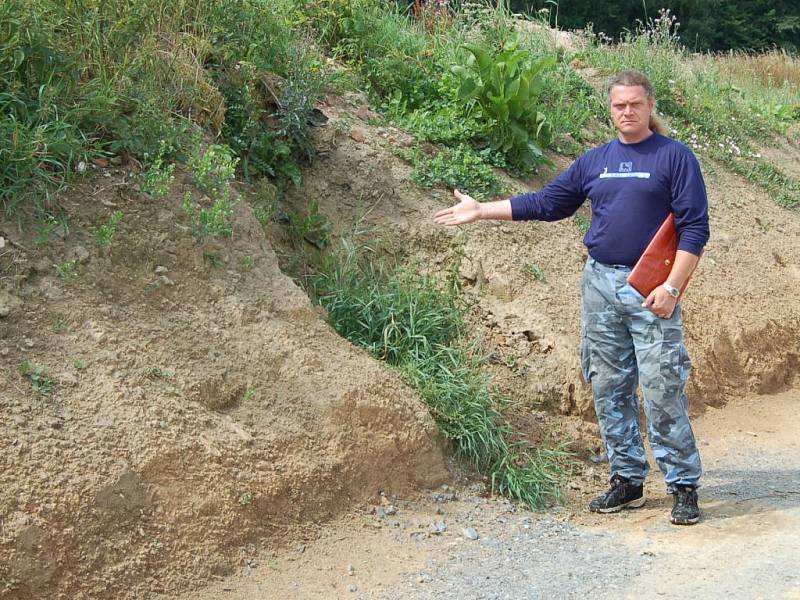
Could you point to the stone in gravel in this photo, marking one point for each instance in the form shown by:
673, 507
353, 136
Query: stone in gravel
161, 270
390, 510
438, 527
8, 304
599, 458
67, 379
470, 533
79, 254
352, 588
350, 570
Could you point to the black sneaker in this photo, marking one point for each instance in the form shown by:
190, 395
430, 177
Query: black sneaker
684, 508
622, 494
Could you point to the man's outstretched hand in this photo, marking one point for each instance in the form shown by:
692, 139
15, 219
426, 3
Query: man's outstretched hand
466, 211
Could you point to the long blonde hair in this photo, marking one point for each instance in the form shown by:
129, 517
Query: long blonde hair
633, 78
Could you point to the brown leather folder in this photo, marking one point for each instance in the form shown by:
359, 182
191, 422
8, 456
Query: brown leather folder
655, 264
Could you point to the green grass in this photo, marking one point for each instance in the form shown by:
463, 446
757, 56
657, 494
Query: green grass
145, 77
104, 234
414, 324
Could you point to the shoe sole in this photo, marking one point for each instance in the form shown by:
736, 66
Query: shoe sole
638, 503
684, 521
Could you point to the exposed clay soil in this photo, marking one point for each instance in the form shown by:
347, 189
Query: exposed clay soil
745, 545
204, 415
196, 409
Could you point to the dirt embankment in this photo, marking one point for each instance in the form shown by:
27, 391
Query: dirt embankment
201, 408
742, 312
204, 410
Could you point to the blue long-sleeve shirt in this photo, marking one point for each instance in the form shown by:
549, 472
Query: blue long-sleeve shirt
632, 189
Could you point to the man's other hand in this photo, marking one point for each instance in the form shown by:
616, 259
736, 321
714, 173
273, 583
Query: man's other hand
661, 303
466, 211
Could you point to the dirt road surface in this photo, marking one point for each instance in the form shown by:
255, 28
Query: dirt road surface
746, 546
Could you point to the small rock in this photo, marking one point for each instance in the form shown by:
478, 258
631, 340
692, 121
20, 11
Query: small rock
364, 113
350, 570
390, 510
300, 548
165, 280
67, 379
599, 458
160, 270
470, 533
357, 134
29, 342
8, 304
438, 527
352, 589
80, 254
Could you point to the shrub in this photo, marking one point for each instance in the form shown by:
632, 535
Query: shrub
507, 85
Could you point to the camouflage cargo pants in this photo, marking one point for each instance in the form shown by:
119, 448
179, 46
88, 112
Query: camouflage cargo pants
623, 344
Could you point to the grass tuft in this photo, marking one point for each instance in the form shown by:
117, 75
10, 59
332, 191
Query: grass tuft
413, 323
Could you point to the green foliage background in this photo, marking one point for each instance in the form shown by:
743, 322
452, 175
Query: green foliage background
714, 25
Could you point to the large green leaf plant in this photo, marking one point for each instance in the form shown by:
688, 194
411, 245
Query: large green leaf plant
506, 85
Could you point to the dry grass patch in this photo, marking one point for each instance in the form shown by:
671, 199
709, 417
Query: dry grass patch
775, 68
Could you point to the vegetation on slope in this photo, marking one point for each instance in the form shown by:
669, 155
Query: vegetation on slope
226, 86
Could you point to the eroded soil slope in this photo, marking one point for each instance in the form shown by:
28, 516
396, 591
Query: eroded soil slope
200, 408
742, 311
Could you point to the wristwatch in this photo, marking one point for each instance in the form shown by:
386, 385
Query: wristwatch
672, 291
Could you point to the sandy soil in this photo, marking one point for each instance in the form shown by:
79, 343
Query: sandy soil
204, 416
745, 546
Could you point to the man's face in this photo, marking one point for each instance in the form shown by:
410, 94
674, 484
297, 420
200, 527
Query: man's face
630, 110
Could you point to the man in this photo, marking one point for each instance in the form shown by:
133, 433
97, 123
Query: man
634, 182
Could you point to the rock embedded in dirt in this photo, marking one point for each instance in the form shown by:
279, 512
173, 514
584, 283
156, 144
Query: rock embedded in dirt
438, 527
79, 254
470, 533
67, 379
357, 135
8, 304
